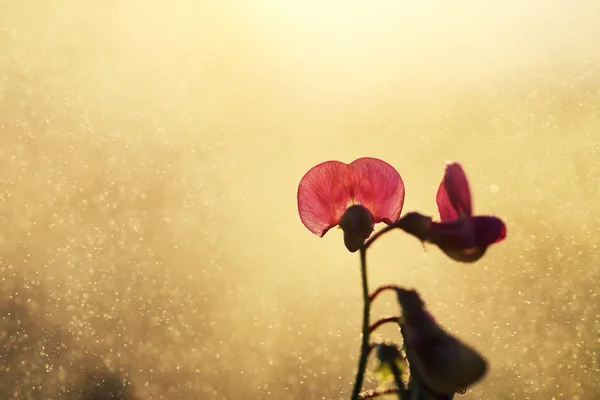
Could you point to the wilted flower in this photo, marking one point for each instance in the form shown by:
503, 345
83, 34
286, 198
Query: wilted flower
444, 364
354, 196
460, 235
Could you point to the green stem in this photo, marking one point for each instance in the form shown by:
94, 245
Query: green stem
366, 328
364, 348
402, 393
377, 234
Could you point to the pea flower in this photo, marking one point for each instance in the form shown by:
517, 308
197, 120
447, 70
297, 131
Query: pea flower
460, 235
443, 363
354, 196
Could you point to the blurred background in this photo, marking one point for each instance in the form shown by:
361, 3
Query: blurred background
150, 153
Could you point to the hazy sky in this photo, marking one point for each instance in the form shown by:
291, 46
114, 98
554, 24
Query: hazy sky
150, 153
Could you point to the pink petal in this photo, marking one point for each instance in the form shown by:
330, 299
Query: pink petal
467, 239
328, 189
453, 196
465, 233
489, 230
377, 186
323, 197
458, 234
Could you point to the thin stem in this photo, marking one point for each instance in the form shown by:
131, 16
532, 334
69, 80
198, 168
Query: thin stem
366, 329
383, 321
380, 289
365, 347
377, 234
376, 393
402, 392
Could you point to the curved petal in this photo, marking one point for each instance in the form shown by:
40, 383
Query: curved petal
377, 186
453, 196
323, 196
466, 255
328, 189
467, 239
459, 234
489, 230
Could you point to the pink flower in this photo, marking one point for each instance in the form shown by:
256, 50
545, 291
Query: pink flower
354, 196
454, 196
460, 235
442, 362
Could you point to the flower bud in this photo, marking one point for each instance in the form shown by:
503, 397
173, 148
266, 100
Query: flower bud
443, 363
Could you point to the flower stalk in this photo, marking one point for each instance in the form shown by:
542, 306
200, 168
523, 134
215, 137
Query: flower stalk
366, 331
367, 191
383, 321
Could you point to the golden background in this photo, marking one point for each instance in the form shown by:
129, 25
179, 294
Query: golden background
150, 153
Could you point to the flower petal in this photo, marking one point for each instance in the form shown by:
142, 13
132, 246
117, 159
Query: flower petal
467, 239
453, 196
458, 234
489, 230
323, 196
328, 189
377, 186
465, 233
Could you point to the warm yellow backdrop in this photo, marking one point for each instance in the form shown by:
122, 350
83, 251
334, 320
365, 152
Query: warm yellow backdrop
150, 153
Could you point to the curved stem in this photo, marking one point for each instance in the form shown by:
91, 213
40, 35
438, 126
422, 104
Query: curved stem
380, 289
377, 234
365, 347
383, 321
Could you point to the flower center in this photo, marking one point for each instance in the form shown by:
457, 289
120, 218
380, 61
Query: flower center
357, 224
357, 220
